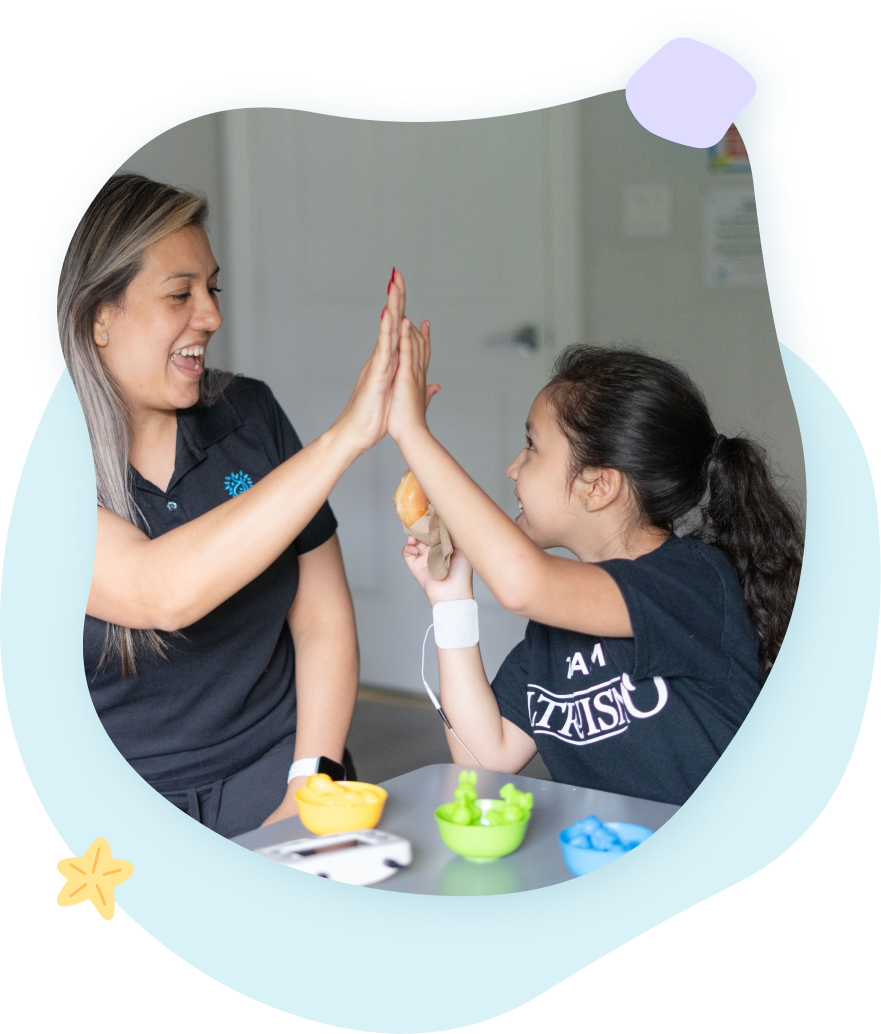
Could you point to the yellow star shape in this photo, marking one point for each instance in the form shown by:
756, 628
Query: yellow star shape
93, 877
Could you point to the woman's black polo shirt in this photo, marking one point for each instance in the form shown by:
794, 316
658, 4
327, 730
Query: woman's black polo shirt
225, 693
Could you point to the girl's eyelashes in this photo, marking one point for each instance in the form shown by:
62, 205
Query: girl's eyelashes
215, 290
529, 444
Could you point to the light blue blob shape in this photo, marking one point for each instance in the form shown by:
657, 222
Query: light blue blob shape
279, 935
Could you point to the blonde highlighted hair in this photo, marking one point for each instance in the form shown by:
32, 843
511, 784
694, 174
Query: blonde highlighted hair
129, 215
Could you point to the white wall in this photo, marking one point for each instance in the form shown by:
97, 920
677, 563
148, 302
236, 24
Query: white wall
635, 290
653, 292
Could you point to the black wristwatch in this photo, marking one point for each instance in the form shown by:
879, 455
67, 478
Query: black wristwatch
312, 766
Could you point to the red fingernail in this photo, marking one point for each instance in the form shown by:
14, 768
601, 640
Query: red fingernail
382, 314
391, 281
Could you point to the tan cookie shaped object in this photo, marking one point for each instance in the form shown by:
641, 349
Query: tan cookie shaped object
420, 520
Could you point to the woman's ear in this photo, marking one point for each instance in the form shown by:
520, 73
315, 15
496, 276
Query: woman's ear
600, 487
100, 331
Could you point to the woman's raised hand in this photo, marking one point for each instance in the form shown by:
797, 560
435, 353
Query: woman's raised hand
364, 419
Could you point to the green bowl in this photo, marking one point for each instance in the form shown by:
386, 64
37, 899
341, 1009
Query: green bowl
480, 843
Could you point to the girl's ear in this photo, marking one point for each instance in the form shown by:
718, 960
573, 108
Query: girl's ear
599, 487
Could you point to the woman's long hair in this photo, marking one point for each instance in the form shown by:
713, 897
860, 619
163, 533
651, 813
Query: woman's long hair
130, 214
625, 410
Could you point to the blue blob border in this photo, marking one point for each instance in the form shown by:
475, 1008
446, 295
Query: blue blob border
763, 124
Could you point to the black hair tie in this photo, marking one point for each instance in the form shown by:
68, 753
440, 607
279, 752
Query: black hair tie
717, 445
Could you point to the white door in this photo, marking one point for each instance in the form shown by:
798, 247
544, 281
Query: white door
483, 218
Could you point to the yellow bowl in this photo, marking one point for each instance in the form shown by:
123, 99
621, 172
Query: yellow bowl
340, 818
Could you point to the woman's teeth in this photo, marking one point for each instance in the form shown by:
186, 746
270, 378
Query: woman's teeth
520, 505
189, 358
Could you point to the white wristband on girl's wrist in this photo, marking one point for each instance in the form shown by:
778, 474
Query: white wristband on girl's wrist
455, 624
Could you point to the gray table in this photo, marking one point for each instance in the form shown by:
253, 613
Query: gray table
435, 869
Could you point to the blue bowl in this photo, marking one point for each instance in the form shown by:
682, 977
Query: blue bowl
581, 860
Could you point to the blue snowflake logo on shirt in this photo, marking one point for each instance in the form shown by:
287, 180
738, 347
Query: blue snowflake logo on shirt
235, 484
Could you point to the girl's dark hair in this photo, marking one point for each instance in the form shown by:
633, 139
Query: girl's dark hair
625, 410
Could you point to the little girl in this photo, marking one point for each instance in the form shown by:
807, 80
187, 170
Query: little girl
643, 656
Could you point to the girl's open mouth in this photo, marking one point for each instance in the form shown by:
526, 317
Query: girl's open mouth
189, 360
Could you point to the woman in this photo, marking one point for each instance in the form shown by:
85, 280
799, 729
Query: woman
217, 561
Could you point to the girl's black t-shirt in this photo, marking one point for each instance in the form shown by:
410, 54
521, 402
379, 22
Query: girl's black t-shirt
224, 694
648, 716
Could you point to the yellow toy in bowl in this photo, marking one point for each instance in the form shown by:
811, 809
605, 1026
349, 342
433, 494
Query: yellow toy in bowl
329, 807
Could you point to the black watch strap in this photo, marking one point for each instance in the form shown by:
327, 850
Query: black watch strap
312, 766
327, 766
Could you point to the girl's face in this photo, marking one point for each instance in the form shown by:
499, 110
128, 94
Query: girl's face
550, 514
154, 343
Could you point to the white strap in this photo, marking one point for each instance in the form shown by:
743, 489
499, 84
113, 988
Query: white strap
455, 624
436, 702
303, 767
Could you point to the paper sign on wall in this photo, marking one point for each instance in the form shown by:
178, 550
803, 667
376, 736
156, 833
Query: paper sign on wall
733, 249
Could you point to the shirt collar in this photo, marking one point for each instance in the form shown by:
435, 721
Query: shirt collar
203, 426
197, 428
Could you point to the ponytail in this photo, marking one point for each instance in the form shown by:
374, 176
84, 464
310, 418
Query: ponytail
747, 518
628, 411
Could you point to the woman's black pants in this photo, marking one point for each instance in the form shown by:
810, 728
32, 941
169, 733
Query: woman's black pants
242, 801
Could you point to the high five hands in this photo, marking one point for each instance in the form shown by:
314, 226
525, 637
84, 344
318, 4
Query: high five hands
406, 419
390, 391
410, 394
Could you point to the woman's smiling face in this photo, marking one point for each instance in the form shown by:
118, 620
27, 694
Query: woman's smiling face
154, 343
549, 512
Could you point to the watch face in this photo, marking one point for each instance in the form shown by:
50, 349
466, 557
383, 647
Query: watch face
334, 769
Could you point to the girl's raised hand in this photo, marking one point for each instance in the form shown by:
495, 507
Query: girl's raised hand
364, 418
411, 395
456, 586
